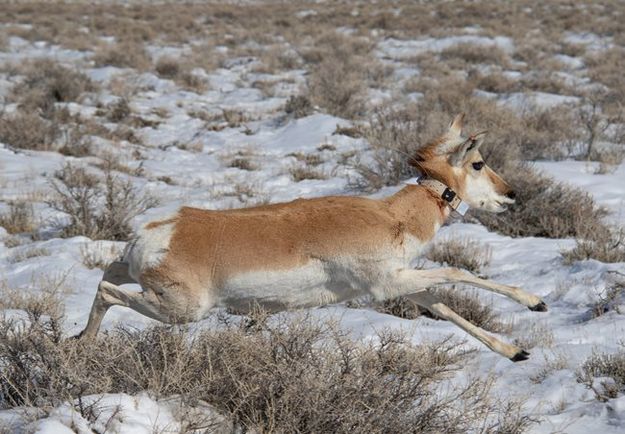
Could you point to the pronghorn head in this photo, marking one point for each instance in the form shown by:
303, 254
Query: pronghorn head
455, 160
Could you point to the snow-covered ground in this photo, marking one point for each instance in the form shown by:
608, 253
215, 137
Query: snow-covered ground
274, 144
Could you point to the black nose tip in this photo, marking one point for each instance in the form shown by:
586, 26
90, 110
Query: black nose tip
511, 195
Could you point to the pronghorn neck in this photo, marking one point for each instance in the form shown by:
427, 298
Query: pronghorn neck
420, 209
441, 190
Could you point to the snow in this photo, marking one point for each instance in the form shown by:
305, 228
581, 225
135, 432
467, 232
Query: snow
521, 101
117, 413
204, 179
402, 49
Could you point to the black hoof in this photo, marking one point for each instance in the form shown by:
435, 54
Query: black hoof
520, 356
540, 307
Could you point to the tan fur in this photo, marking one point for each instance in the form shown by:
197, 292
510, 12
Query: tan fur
287, 235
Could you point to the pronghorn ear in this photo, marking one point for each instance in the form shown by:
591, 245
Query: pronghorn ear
472, 144
455, 127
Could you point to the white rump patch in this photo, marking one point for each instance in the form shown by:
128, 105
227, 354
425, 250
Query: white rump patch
149, 247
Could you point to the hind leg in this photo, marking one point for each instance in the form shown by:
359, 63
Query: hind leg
109, 294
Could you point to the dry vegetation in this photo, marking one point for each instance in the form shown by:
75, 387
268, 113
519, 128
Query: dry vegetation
19, 218
45, 83
602, 243
278, 375
462, 253
607, 300
97, 208
604, 374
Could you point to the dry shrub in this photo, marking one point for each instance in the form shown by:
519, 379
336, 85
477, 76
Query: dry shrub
301, 173
544, 81
494, 82
97, 208
395, 135
234, 118
27, 131
129, 54
543, 208
312, 159
464, 253
243, 164
548, 133
339, 75
298, 106
475, 54
20, 218
118, 111
337, 85
609, 160
190, 81
603, 243
606, 67
168, 67
282, 375
179, 71
278, 58
608, 300
556, 362
27, 253
601, 123
46, 83
400, 307
597, 367
75, 141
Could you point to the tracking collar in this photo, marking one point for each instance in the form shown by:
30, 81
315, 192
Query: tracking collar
442, 191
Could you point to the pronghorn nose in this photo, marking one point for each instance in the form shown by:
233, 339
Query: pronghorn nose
511, 195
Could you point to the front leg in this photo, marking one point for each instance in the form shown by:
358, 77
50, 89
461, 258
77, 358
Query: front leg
431, 303
440, 276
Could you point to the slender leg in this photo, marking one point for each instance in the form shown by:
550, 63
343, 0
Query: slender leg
431, 303
109, 294
437, 276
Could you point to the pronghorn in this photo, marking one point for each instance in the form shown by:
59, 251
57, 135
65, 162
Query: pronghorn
311, 252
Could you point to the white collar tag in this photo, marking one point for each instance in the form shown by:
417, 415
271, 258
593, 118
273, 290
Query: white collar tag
412, 181
462, 208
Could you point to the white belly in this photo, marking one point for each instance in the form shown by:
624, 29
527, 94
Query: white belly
311, 285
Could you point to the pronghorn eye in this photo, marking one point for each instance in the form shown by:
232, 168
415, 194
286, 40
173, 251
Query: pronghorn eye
478, 165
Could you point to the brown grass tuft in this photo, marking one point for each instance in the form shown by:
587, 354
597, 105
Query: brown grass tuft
462, 253
298, 106
123, 55
301, 173
27, 131
19, 218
